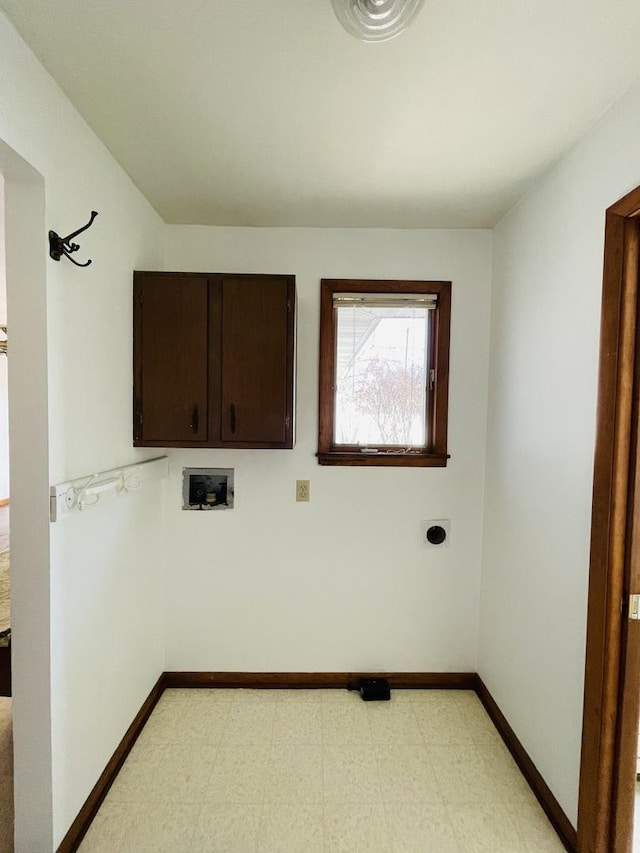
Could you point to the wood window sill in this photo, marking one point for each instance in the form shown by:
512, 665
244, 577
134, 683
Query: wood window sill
405, 460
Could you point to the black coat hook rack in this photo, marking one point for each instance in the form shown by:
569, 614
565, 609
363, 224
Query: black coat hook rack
59, 246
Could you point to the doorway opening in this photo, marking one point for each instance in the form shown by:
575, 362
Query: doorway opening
25, 243
612, 672
5, 584
6, 711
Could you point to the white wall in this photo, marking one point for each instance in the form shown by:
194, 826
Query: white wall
4, 386
102, 577
343, 582
541, 432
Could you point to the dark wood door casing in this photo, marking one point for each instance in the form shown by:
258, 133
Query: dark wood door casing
629, 710
612, 677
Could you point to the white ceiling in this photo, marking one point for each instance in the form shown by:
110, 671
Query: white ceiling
266, 112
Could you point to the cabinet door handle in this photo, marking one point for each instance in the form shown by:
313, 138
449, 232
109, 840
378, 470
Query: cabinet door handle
232, 417
195, 419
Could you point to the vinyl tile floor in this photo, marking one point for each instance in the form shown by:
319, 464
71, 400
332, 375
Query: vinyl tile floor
319, 771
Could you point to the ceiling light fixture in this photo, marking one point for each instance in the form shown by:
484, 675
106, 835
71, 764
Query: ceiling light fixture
376, 20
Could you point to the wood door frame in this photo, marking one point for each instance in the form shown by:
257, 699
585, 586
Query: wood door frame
606, 620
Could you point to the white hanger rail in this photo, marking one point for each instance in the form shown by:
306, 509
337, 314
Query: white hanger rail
95, 490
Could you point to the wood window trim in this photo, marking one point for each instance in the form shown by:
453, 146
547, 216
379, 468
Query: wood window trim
435, 453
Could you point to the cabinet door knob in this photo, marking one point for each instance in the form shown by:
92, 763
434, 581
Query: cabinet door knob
195, 419
232, 417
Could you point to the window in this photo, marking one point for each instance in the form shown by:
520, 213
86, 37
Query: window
384, 371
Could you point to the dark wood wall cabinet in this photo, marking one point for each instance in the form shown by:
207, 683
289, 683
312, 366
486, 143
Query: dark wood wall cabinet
213, 360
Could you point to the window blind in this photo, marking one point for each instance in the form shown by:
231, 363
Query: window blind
385, 300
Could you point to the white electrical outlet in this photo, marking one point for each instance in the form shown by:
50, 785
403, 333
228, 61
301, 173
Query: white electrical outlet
436, 532
303, 490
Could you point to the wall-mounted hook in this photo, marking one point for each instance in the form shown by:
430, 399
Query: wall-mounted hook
59, 246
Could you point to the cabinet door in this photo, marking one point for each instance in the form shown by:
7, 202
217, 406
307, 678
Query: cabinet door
257, 360
170, 358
